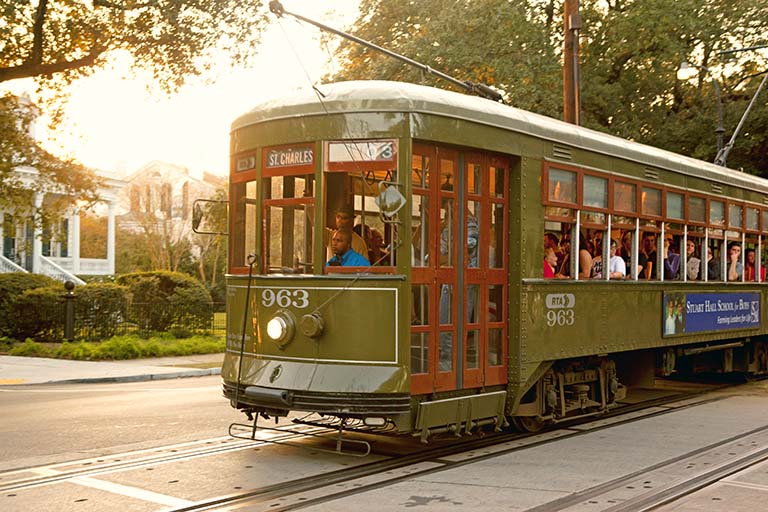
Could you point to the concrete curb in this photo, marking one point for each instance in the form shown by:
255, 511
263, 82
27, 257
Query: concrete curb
125, 378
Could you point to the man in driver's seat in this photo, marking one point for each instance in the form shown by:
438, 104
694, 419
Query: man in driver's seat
343, 254
345, 219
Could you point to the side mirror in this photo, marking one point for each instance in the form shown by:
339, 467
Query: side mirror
197, 216
390, 200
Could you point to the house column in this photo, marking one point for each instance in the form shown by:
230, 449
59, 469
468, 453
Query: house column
74, 240
111, 238
37, 238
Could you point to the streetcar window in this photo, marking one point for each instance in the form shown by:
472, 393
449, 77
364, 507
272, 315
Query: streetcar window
717, 213
420, 226
595, 191
651, 201
625, 197
697, 209
734, 216
675, 206
753, 218
562, 186
288, 204
244, 230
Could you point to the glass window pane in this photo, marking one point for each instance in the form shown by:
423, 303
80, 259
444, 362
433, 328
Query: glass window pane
420, 226
595, 191
496, 175
473, 233
495, 303
419, 352
562, 186
717, 213
446, 308
675, 205
753, 216
419, 171
473, 349
495, 353
496, 250
446, 351
765, 221
245, 229
734, 216
420, 306
592, 218
651, 201
289, 241
447, 232
697, 209
474, 178
625, 197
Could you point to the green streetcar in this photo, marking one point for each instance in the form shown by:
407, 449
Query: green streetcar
451, 325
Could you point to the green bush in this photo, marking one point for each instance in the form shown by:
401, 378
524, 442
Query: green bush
30, 349
132, 347
162, 299
100, 309
39, 314
12, 285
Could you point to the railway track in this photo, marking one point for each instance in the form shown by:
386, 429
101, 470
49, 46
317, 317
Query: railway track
390, 465
327, 487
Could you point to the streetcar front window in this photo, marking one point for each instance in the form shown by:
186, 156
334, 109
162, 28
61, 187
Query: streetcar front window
288, 201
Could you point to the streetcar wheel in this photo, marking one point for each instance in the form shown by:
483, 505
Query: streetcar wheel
530, 424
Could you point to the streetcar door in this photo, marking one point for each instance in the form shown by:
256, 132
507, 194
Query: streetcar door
458, 269
484, 273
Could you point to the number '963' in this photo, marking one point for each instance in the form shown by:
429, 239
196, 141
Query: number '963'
285, 298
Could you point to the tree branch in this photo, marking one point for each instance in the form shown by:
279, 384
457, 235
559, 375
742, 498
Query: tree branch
31, 69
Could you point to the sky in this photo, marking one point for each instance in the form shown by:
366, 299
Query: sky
116, 125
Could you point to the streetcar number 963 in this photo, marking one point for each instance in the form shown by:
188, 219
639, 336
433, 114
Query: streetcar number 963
285, 298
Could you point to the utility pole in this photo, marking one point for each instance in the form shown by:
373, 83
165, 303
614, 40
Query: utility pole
571, 86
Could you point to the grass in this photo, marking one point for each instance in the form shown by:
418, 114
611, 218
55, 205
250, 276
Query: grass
118, 347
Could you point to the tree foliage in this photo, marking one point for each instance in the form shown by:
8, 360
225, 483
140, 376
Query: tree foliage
630, 53
56, 42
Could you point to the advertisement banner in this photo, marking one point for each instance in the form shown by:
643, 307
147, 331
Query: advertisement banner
686, 313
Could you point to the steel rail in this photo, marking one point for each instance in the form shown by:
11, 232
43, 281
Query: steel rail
328, 482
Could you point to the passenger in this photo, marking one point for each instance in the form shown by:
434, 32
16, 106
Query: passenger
694, 264
597, 260
585, 258
564, 259
377, 252
671, 260
616, 266
626, 248
735, 268
750, 266
345, 218
713, 267
550, 261
648, 256
343, 254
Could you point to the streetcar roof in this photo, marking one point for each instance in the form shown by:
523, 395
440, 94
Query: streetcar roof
386, 96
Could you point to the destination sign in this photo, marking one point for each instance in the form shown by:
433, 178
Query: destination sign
365, 151
289, 157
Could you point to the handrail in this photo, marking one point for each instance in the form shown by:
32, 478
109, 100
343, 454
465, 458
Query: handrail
7, 266
51, 269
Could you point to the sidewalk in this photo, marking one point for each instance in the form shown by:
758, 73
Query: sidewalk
37, 370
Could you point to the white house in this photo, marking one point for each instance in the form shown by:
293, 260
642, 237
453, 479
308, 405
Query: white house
55, 251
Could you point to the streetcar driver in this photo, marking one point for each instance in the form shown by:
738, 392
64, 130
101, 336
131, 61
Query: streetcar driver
345, 219
343, 254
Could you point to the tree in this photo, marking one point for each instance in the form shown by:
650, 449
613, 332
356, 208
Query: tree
58, 41
46, 172
631, 50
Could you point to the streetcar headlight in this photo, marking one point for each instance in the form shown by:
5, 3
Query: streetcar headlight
281, 327
277, 328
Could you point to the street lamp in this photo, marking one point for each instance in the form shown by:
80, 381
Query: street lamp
687, 71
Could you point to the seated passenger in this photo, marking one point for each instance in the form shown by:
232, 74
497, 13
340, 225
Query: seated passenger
343, 254
617, 267
671, 260
345, 218
713, 267
550, 261
694, 263
749, 267
735, 268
